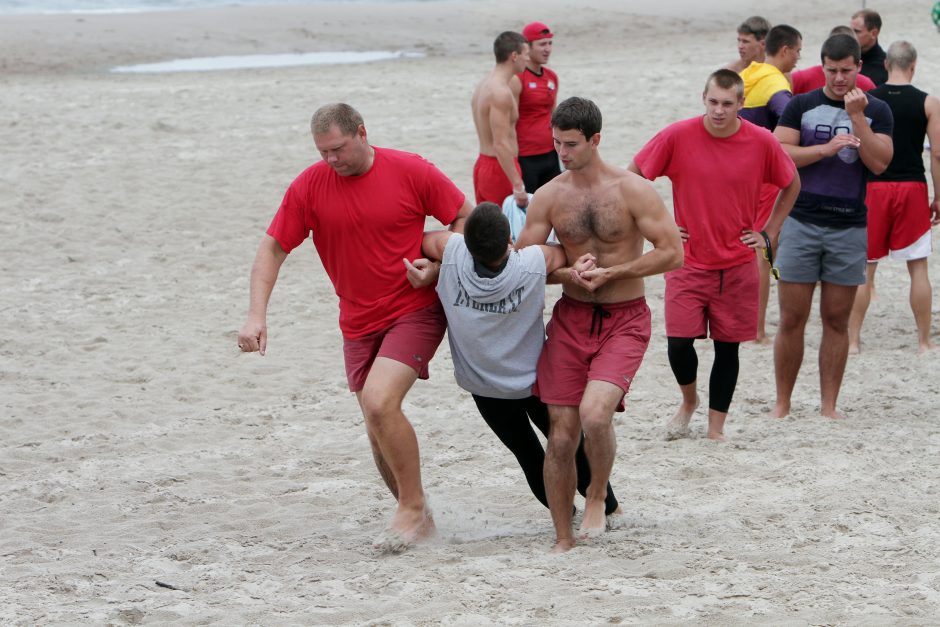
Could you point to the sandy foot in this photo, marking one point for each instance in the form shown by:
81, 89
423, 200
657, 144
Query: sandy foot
678, 425
403, 534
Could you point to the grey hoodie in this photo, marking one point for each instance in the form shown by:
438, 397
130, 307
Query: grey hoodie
494, 325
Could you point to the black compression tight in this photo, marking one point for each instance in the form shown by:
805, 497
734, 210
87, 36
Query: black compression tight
509, 420
724, 376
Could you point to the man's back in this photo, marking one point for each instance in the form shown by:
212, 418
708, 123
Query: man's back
910, 129
506, 307
493, 93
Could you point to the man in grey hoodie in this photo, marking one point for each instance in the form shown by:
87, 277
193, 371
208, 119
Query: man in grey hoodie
493, 297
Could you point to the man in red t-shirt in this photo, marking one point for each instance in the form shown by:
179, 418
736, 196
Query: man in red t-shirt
366, 208
717, 164
536, 90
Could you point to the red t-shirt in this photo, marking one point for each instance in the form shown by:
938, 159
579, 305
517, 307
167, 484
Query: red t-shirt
813, 78
363, 226
716, 184
536, 103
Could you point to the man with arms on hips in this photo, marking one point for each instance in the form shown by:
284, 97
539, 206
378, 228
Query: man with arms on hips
813, 77
751, 35
899, 214
496, 173
536, 90
360, 193
867, 25
600, 327
836, 136
766, 94
494, 297
718, 164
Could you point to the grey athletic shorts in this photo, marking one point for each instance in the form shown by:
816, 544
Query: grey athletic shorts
808, 253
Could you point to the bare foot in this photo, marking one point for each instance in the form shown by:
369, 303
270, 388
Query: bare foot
780, 411
854, 349
718, 436
408, 527
834, 414
764, 340
923, 348
594, 522
616, 519
678, 425
563, 545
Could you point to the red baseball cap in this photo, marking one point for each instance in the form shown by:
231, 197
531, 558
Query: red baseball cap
537, 30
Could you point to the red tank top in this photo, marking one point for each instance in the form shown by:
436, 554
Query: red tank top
536, 103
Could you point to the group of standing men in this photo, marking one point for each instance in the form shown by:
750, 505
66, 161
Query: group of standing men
491, 293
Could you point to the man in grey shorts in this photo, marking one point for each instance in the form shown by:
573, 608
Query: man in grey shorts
836, 135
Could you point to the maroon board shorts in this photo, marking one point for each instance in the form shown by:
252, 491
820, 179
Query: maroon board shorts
411, 339
588, 342
721, 304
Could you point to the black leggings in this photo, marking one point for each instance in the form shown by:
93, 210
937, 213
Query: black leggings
509, 420
537, 170
724, 376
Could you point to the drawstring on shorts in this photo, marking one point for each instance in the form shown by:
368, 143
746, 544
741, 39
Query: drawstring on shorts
598, 317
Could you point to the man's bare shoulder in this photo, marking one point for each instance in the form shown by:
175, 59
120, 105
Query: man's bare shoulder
627, 182
493, 91
932, 106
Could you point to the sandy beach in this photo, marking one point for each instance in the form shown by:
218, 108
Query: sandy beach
138, 445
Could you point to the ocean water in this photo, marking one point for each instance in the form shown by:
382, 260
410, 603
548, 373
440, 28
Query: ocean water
205, 64
41, 7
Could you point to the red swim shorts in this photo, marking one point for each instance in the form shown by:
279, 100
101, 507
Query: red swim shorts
588, 342
719, 303
898, 216
411, 339
489, 180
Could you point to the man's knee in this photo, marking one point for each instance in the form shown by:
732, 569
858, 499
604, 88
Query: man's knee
564, 436
596, 417
596, 423
378, 404
792, 319
835, 322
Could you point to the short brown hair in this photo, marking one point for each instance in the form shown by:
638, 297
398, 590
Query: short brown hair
755, 25
725, 79
508, 42
338, 114
870, 17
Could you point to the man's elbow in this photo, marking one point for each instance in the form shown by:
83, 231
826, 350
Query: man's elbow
676, 257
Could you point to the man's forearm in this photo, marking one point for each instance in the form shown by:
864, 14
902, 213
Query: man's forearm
264, 274
656, 261
874, 153
804, 155
935, 169
506, 155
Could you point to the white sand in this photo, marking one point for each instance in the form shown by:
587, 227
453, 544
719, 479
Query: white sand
137, 444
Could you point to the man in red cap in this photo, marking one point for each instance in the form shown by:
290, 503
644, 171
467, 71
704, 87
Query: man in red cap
536, 90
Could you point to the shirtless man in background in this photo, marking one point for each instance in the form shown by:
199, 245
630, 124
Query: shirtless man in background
496, 173
600, 327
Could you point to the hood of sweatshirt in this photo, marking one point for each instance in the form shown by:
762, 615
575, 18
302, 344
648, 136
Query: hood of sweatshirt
761, 82
485, 289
